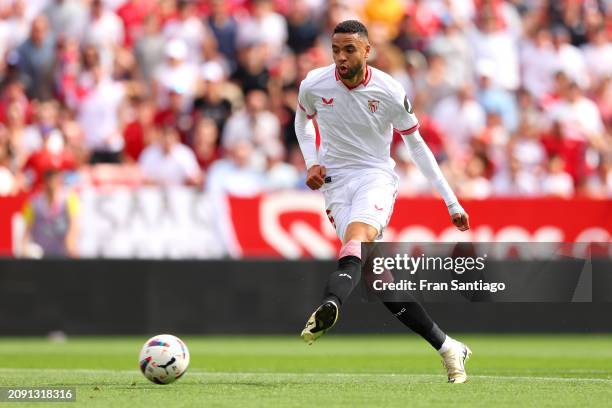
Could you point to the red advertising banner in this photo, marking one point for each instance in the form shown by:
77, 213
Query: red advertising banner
294, 225
10, 207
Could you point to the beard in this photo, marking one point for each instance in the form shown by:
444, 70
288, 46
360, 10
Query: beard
351, 72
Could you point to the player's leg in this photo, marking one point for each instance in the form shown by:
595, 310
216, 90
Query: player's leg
359, 208
453, 353
408, 311
341, 282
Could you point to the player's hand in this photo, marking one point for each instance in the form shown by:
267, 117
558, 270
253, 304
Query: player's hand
316, 177
461, 220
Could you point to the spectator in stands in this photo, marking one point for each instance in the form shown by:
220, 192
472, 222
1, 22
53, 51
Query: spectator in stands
527, 110
212, 103
225, 28
45, 121
557, 182
297, 160
252, 72
10, 182
175, 114
98, 115
279, 175
569, 58
36, 59
429, 129
74, 138
493, 141
514, 180
254, 123
570, 150
452, 45
538, 63
51, 217
602, 96
235, 174
104, 31
15, 27
526, 148
139, 132
494, 98
149, 48
391, 60
168, 162
492, 41
476, 185
176, 74
67, 18
14, 93
188, 28
53, 155
599, 184
205, 143
460, 117
433, 83
266, 26
598, 55
15, 133
302, 29
134, 14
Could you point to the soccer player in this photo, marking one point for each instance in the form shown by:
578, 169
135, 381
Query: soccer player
356, 109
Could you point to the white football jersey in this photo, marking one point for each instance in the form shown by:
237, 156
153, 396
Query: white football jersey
356, 125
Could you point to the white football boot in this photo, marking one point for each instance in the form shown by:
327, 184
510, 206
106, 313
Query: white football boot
454, 361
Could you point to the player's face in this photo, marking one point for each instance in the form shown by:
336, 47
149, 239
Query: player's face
350, 53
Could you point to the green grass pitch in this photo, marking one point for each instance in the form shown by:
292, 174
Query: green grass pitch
337, 371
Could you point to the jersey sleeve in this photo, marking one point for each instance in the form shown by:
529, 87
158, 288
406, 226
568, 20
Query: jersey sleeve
305, 101
402, 113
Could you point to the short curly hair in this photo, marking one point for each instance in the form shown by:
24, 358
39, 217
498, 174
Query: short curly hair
351, 27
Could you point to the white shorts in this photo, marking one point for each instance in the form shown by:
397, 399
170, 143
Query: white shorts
361, 195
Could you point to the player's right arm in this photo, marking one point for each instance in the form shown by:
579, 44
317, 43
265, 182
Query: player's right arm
306, 135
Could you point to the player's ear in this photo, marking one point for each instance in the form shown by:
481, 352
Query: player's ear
367, 50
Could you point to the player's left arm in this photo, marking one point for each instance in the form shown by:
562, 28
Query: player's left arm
423, 158
407, 124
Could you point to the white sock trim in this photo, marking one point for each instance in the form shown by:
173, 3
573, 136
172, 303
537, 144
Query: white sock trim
449, 343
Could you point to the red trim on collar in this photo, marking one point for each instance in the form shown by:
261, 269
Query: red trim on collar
366, 78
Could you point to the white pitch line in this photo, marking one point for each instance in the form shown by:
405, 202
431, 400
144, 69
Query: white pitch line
251, 373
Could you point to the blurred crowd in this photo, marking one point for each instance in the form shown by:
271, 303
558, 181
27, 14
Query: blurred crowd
514, 97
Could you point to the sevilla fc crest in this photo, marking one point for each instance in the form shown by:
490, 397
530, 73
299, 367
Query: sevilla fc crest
373, 105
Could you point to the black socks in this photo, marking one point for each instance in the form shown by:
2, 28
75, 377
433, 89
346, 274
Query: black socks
416, 318
342, 282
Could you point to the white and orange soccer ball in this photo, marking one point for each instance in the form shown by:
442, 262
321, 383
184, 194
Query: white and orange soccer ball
164, 359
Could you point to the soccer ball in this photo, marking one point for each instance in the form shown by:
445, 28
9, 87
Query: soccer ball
164, 359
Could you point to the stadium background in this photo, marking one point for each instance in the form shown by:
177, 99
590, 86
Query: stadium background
171, 126
164, 129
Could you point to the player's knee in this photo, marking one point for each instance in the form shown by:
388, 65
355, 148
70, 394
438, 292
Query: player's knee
359, 231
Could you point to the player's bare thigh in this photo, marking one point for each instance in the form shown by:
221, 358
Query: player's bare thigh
360, 231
